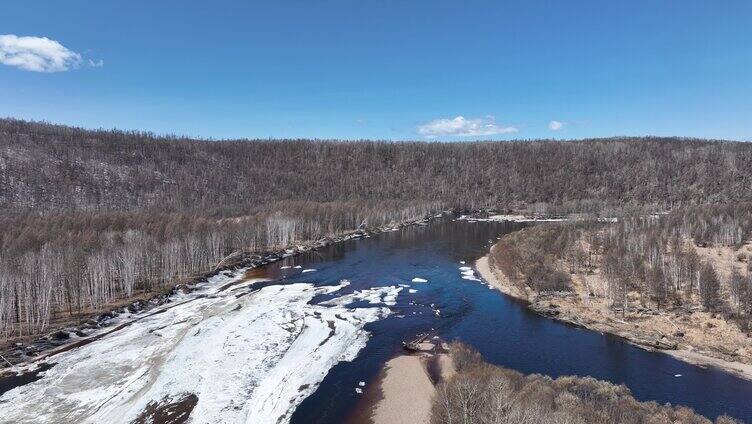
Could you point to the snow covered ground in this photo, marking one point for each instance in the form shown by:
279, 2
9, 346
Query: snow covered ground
249, 355
510, 218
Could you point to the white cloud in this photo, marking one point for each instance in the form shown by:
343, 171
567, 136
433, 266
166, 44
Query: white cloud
460, 126
555, 125
38, 54
96, 63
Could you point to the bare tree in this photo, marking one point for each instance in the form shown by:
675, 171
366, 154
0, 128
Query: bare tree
709, 287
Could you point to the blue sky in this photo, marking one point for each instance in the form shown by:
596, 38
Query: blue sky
456, 70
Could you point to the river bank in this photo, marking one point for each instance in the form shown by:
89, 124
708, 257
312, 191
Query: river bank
228, 352
86, 327
684, 338
405, 390
448, 383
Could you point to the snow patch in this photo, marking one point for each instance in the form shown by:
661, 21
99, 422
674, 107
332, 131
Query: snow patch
511, 218
374, 296
240, 356
468, 274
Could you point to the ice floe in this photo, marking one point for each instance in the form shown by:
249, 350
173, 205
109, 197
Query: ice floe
511, 218
419, 280
375, 295
468, 274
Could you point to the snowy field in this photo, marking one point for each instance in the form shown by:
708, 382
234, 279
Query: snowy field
248, 354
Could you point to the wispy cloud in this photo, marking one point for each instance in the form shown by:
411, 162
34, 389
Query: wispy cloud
555, 125
39, 54
462, 127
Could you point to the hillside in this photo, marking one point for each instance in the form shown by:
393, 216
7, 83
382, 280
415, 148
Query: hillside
52, 168
90, 217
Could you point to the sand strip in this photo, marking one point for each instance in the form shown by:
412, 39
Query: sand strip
497, 280
407, 392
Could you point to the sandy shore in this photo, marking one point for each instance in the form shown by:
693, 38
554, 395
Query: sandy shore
407, 392
583, 313
407, 386
498, 280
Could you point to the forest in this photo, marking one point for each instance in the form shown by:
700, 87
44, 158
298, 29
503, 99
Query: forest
654, 256
89, 217
676, 281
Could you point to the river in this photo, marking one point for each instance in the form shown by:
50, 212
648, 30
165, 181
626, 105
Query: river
294, 340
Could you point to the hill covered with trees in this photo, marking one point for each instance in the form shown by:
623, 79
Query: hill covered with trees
51, 168
91, 216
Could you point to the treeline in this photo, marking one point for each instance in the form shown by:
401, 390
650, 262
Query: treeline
481, 393
59, 265
653, 256
657, 258
529, 257
52, 168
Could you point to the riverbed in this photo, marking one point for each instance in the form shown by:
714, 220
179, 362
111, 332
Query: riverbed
300, 341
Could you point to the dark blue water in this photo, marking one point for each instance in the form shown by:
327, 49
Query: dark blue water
502, 329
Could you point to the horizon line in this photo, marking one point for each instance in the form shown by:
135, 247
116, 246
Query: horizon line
454, 140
